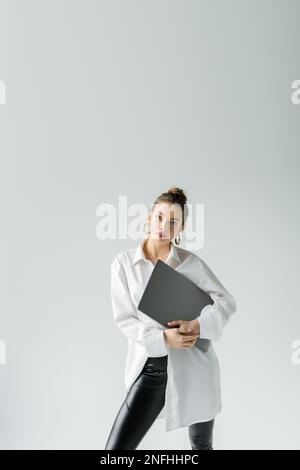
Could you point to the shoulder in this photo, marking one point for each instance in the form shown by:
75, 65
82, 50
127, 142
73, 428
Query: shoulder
124, 257
195, 262
190, 256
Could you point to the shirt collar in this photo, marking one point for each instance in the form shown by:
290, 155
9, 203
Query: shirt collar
139, 254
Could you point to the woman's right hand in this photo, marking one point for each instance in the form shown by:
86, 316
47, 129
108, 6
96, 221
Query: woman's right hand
177, 340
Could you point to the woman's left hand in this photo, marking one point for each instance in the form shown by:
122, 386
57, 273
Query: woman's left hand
186, 327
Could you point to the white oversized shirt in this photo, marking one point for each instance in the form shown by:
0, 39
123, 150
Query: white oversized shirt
193, 391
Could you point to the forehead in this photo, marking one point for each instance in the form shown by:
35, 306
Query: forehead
168, 209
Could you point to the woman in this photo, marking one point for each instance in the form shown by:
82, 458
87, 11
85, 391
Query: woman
165, 376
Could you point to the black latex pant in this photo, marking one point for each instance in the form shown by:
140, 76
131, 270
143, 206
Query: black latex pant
143, 403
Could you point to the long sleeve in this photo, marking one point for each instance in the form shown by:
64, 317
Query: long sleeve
151, 336
214, 317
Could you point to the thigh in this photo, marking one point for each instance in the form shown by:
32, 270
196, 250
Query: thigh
144, 401
146, 397
201, 435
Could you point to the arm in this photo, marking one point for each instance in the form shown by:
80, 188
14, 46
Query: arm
151, 336
213, 318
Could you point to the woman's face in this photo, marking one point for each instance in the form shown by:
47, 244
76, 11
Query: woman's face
165, 221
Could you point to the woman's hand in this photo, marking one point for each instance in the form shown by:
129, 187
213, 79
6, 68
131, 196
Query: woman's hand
187, 327
177, 340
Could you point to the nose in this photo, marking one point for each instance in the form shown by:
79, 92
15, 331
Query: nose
164, 228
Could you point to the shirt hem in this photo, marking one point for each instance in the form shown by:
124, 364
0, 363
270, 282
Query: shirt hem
193, 421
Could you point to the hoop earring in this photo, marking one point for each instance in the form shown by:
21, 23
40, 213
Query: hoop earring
177, 241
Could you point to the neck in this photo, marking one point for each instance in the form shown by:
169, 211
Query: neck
157, 249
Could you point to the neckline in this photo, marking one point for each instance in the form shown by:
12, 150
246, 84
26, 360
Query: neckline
164, 260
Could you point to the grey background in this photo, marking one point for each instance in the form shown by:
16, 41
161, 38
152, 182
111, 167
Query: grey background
109, 98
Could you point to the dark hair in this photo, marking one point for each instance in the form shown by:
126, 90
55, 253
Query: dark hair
175, 196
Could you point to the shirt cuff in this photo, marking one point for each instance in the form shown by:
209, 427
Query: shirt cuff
209, 323
154, 341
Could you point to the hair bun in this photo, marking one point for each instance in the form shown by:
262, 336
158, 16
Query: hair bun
177, 192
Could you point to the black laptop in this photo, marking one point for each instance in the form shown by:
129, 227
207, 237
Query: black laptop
169, 295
